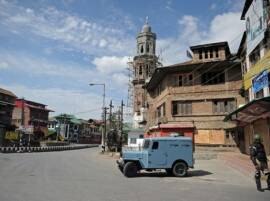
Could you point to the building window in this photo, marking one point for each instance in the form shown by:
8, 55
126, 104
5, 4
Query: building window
211, 53
224, 106
140, 70
217, 53
147, 48
213, 78
200, 55
181, 108
244, 68
180, 80
254, 56
133, 140
190, 78
141, 48
161, 111
135, 71
259, 94
185, 80
206, 54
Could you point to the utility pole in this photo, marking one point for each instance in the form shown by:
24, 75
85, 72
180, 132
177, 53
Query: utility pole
105, 128
22, 123
110, 117
121, 124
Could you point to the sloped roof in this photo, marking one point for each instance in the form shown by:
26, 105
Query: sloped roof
7, 92
161, 72
255, 109
209, 45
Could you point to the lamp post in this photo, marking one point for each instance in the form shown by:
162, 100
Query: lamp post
103, 112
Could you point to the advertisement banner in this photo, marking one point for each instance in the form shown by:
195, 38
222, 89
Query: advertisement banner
12, 135
256, 22
260, 81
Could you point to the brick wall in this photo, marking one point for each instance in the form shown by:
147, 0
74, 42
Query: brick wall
210, 126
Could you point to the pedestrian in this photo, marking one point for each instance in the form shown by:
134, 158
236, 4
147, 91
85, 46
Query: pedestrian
259, 159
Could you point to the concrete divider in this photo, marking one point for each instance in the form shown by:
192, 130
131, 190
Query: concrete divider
44, 149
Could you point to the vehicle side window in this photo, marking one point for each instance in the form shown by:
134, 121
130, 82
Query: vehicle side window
155, 145
146, 144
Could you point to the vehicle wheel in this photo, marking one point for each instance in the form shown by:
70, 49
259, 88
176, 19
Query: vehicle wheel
169, 171
130, 169
180, 169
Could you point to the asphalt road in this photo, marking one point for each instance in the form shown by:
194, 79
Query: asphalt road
86, 175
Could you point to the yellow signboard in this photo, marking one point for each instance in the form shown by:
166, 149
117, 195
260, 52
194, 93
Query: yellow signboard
11, 135
263, 64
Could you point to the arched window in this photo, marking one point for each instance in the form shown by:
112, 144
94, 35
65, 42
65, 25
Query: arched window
135, 71
147, 47
141, 48
140, 70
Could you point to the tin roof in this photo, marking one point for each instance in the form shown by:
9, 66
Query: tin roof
256, 109
161, 72
171, 138
7, 92
174, 125
208, 45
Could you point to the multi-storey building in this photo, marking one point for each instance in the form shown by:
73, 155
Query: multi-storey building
31, 117
144, 64
254, 116
192, 98
7, 103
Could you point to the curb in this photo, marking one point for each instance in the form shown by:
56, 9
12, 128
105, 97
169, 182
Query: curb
43, 149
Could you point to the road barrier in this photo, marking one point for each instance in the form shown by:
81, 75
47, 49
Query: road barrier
44, 149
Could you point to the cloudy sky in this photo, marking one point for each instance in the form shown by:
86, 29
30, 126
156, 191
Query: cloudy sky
51, 50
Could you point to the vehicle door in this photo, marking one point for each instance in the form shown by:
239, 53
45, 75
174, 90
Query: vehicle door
157, 155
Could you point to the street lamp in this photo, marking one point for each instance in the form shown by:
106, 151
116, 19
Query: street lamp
103, 111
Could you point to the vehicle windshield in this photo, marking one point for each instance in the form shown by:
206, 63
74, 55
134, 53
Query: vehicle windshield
146, 144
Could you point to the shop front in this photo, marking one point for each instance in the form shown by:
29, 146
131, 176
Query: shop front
254, 118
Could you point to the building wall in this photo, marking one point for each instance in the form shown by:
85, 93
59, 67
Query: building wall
221, 55
209, 127
6, 109
253, 64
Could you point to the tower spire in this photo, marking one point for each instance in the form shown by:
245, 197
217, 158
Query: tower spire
146, 20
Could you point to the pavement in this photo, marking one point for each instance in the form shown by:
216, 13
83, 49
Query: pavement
87, 175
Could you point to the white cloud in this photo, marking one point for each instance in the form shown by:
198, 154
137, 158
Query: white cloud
83, 105
109, 64
121, 79
4, 65
81, 34
24, 63
227, 27
223, 27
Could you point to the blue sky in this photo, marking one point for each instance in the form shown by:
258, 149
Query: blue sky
50, 50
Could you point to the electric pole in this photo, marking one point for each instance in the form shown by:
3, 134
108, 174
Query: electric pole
110, 117
105, 128
121, 123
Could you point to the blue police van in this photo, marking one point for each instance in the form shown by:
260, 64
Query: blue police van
174, 154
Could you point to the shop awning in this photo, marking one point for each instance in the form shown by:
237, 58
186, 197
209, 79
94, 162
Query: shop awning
256, 109
173, 125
